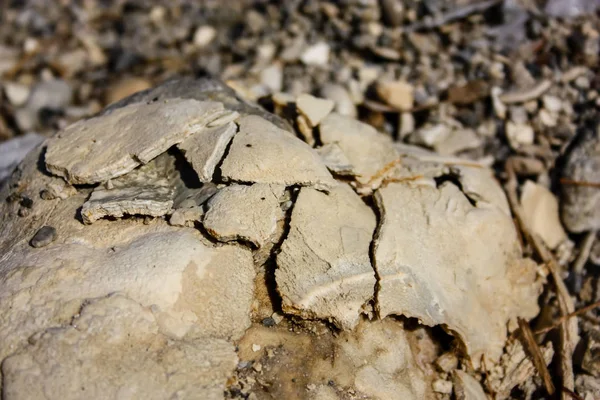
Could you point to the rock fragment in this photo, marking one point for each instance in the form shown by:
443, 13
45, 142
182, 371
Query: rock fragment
247, 213
580, 201
44, 236
262, 153
398, 94
313, 108
110, 145
466, 387
324, 270
316, 54
540, 209
335, 159
148, 190
205, 149
367, 150
341, 97
437, 255
116, 334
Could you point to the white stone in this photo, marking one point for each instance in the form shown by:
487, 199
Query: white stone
519, 134
316, 54
313, 108
540, 209
204, 35
16, 93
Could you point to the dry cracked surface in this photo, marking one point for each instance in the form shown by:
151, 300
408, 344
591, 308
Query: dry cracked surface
204, 249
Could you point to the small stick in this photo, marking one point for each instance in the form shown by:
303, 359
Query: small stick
562, 319
566, 181
536, 354
583, 256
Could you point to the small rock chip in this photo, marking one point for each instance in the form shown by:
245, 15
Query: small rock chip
442, 386
16, 93
313, 108
255, 347
468, 93
43, 237
466, 387
341, 97
125, 87
541, 213
317, 54
204, 35
519, 134
398, 94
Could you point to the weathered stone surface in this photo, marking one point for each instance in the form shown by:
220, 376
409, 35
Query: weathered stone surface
580, 202
324, 269
335, 159
107, 146
366, 149
114, 349
205, 149
186, 216
148, 190
183, 280
247, 213
447, 262
262, 153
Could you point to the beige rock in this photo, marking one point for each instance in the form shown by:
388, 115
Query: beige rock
262, 153
305, 130
519, 134
186, 216
324, 269
335, 159
114, 349
367, 150
247, 213
398, 94
205, 149
313, 108
316, 54
466, 387
126, 87
111, 145
458, 140
442, 386
436, 256
204, 35
148, 190
341, 97
540, 209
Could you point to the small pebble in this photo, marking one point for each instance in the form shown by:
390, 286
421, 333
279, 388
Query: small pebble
255, 347
269, 321
43, 237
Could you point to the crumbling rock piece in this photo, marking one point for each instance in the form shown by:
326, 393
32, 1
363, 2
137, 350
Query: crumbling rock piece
148, 190
540, 209
335, 159
242, 212
107, 146
580, 202
447, 262
263, 153
113, 349
366, 149
205, 149
466, 387
324, 269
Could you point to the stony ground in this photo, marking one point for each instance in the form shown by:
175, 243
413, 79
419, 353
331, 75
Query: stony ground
511, 84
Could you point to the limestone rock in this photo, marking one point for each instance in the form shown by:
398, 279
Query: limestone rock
148, 190
114, 349
367, 150
241, 212
442, 260
398, 94
580, 203
205, 149
540, 209
324, 269
335, 159
262, 153
104, 147
313, 108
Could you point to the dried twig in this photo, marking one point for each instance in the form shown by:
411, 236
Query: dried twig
566, 181
536, 355
572, 394
562, 319
584, 254
568, 329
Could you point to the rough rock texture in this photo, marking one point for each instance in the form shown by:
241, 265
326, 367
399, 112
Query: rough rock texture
241, 212
111, 145
254, 248
580, 206
264, 153
433, 264
205, 149
324, 267
113, 349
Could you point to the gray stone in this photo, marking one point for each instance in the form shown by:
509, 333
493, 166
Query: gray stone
44, 236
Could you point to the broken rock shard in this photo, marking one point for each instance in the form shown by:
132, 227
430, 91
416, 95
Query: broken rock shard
205, 148
110, 145
447, 262
324, 269
263, 153
242, 212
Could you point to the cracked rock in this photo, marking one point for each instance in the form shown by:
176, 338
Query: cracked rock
247, 213
366, 149
148, 190
205, 149
324, 267
447, 262
263, 153
108, 146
